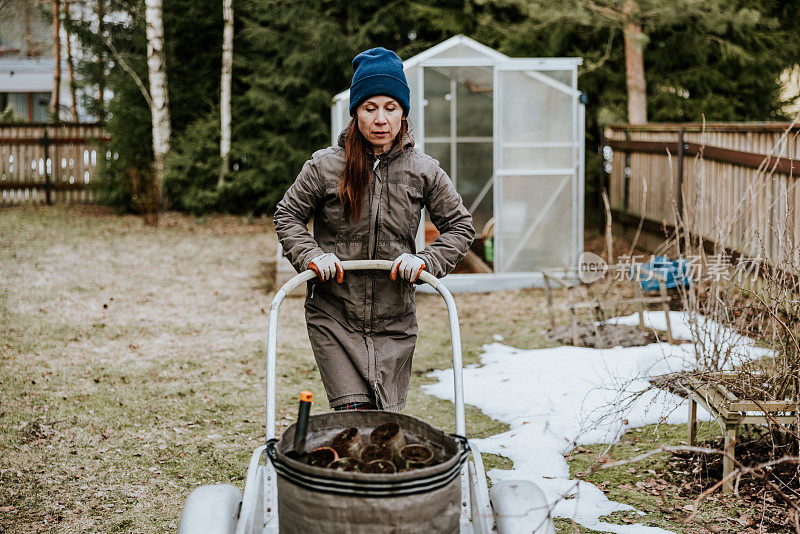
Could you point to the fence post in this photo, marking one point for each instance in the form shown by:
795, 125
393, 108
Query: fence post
48, 184
627, 172
680, 222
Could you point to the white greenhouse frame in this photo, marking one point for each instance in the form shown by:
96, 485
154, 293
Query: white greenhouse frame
537, 158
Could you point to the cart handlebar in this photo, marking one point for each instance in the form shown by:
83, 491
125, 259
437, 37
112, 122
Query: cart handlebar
355, 265
360, 265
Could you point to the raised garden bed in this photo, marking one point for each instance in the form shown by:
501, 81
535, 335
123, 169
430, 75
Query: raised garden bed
729, 407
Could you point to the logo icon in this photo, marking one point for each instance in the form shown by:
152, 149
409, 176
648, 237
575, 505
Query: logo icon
591, 267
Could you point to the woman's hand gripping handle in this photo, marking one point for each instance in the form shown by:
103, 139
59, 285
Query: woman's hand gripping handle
408, 267
327, 264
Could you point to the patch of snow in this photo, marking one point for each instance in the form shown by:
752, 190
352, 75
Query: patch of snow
685, 326
556, 398
497, 337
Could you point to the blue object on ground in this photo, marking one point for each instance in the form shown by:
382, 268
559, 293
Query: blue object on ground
674, 272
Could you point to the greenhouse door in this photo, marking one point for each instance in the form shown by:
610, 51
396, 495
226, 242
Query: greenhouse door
537, 167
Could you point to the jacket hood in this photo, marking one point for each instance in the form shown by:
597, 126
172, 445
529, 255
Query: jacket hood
406, 144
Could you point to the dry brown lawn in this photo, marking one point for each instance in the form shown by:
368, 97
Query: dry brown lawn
133, 363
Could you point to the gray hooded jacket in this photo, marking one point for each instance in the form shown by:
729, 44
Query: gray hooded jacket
363, 331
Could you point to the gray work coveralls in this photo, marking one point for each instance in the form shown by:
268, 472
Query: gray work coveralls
363, 331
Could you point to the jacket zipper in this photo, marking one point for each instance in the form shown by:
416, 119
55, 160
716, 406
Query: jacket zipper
376, 198
374, 222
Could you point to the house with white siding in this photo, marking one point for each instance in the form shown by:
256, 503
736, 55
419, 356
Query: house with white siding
27, 63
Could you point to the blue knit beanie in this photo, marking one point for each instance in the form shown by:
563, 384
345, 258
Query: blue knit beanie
378, 71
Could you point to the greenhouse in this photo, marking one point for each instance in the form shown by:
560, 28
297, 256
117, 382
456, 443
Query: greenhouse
509, 132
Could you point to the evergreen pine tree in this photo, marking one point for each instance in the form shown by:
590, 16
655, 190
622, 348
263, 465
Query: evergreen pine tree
290, 58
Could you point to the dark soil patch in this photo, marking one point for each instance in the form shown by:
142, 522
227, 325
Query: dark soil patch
377, 451
604, 335
390, 434
346, 464
379, 466
322, 457
348, 442
345, 437
692, 473
417, 454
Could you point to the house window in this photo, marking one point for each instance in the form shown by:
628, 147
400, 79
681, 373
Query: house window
17, 101
33, 107
41, 107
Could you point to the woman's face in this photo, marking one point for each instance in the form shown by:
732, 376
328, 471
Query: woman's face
379, 119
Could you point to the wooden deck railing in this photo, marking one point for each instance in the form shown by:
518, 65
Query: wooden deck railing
45, 163
734, 184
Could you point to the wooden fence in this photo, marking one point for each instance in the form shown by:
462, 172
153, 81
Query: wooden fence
45, 163
733, 184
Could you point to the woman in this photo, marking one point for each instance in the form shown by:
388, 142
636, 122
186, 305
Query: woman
365, 196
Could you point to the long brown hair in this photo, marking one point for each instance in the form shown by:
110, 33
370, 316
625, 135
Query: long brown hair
356, 174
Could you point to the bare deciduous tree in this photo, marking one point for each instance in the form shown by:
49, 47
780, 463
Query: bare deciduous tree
55, 98
634, 63
159, 101
225, 90
70, 65
101, 16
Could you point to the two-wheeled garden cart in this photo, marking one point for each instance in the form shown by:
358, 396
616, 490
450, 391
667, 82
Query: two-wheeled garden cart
451, 496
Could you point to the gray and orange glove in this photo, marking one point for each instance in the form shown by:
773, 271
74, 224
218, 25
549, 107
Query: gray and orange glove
408, 267
326, 265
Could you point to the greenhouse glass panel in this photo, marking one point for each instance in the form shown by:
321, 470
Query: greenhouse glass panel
340, 118
563, 76
536, 171
474, 102
536, 158
474, 164
437, 104
458, 133
532, 234
412, 75
441, 153
533, 110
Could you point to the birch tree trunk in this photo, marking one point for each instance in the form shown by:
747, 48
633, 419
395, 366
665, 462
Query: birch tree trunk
71, 80
225, 90
70, 66
159, 107
101, 89
55, 96
634, 64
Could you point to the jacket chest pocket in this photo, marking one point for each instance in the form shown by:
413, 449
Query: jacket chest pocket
351, 237
331, 210
403, 202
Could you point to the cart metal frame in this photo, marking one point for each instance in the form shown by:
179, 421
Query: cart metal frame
515, 506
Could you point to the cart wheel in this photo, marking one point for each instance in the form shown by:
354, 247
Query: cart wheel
212, 509
520, 505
